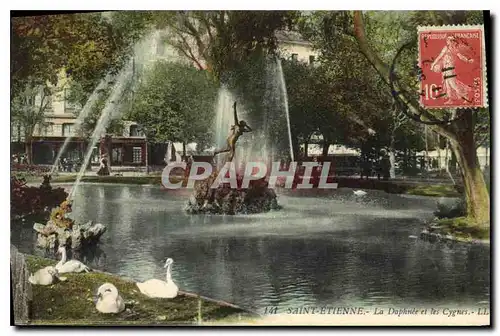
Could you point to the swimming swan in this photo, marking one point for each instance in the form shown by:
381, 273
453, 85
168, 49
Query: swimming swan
45, 276
155, 288
359, 192
109, 300
70, 266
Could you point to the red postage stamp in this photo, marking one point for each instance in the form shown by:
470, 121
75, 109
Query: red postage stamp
452, 63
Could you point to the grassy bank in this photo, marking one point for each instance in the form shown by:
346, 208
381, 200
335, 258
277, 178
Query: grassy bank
434, 190
71, 303
393, 187
460, 228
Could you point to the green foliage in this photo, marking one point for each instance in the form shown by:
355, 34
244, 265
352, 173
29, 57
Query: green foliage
463, 228
86, 45
89, 124
29, 105
220, 41
358, 85
359, 98
482, 129
175, 102
433, 190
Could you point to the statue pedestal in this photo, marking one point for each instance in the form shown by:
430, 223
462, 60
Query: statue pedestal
257, 198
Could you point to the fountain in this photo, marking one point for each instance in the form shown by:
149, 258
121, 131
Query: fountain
61, 229
264, 143
104, 119
144, 55
284, 103
79, 120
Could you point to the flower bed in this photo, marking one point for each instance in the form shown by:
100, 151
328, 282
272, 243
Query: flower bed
26, 200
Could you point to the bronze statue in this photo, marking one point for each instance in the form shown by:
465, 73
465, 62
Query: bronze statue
236, 131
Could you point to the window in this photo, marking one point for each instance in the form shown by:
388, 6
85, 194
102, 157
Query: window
137, 154
46, 129
117, 155
134, 130
295, 57
67, 129
312, 58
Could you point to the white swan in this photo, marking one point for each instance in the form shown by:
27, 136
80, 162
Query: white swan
359, 192
45, 276
109, 300
155, 288
70, 266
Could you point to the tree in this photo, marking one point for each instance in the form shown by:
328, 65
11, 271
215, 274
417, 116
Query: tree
89, 123
459, 131
28, 109
311, 108
456, 126
175, 103
84, 46
216, 40
87, 46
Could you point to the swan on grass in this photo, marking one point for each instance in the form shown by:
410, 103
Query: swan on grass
109, 300
70, 266
45, 276
155, 288
359, 192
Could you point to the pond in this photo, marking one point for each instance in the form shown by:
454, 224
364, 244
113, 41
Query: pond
323, 248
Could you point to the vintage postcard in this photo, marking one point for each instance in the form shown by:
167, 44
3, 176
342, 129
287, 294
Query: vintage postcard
253, 168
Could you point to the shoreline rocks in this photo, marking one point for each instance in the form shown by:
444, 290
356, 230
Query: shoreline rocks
433, 233
51, 236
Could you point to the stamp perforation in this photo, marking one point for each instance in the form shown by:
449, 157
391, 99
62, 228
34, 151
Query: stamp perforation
451, 28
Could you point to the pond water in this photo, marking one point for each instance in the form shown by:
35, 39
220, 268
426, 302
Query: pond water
323, 248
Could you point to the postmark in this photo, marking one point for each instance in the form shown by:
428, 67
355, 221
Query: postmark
452, 66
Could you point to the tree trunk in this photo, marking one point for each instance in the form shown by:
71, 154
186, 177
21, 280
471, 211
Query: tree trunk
306, 149
426, 158
392, 157
183, 150
460, 135
439, 154
326, 146
296, 149
477, 196
28, 148
453, 162
447, 162
487, 157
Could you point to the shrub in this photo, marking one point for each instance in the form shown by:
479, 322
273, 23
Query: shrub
26, 200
